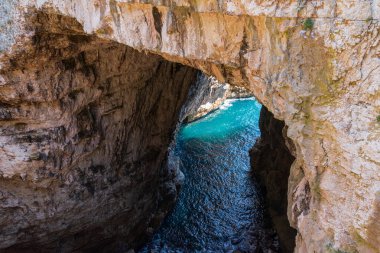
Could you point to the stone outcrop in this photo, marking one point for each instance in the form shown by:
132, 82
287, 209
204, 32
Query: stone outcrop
313, 64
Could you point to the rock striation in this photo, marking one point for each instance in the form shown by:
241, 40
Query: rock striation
80, 110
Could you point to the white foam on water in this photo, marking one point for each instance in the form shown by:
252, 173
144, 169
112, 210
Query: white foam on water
227, 103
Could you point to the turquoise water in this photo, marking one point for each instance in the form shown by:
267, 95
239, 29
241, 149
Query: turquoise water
235, 117
219, 208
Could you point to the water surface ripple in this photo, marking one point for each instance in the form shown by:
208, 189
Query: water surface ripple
219, 207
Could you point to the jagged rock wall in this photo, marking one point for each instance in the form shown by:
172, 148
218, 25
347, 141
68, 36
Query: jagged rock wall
322, 79
271, 160
85, 127
215, 95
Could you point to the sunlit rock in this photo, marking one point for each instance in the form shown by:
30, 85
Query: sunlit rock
83, 117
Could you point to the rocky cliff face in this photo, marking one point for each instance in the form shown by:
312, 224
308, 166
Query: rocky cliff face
313, 64
85, 127
213, 96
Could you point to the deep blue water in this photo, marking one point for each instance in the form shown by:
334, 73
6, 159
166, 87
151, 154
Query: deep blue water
219, 207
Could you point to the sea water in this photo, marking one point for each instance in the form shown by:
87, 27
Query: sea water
219, 208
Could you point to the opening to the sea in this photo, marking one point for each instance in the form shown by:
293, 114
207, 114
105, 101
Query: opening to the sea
220, 207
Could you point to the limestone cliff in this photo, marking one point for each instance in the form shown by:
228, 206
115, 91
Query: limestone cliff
313, 64
214, 95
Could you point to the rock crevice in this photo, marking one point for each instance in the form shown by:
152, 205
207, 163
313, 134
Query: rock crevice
271, 161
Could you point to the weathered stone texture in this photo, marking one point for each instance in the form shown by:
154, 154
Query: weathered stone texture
323, 83
85, 126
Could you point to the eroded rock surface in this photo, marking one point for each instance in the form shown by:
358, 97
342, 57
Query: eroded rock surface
85, 127
213, 96
321, 79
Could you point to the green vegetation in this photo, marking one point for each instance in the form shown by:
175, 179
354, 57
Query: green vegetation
378, 118
330, 249
308, 24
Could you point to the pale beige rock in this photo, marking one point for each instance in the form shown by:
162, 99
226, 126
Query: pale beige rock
215, 95
324, 84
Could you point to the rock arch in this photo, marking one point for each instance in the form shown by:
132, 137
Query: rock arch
322, 82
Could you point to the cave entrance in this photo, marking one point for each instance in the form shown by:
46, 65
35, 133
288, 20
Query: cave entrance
91, 121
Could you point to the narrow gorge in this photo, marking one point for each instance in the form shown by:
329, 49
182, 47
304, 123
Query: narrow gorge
93, 94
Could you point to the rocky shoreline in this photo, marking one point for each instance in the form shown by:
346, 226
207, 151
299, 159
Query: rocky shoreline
214, 97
